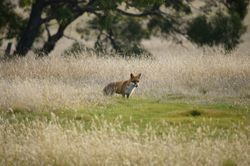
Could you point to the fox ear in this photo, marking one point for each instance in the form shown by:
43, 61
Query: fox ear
139, 75
132, 75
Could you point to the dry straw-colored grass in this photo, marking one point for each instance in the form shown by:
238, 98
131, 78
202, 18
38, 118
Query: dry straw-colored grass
43, 143
56, 81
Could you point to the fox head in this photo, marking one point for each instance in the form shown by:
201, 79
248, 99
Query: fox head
135, 79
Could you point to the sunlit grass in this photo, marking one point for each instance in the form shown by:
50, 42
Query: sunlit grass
191, 108
57, 81
137, 131
143, 112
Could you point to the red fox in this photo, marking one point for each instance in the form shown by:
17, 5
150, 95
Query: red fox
125, 88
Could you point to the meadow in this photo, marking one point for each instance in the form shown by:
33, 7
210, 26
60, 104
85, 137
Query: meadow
192, 108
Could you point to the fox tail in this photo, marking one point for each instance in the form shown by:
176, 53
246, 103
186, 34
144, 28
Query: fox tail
108, 90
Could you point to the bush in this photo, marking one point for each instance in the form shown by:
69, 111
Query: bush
220, 29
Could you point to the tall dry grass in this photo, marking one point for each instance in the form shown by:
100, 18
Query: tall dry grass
43, 143
57, 81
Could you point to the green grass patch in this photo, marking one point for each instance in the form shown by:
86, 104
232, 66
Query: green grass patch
143, 112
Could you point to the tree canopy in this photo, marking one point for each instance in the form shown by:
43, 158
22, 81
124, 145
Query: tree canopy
120, 25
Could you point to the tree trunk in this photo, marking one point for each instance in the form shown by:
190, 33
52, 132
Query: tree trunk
32, 29
50, 44
8, 50
52, 40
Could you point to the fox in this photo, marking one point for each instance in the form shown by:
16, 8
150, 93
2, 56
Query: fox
125, 88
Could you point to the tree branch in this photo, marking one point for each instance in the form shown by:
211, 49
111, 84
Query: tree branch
143, 14
52, 2
47, 29
112, 40
71, 38
48, 19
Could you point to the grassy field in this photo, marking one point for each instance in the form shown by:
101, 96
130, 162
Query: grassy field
192, 108
145, 111
136, 131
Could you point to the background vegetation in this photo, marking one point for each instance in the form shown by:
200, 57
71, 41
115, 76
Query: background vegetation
191, 107
119, 26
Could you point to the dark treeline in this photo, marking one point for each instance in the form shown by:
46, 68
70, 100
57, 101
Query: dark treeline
116, 29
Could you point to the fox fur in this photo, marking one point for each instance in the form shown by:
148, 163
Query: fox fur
125, 88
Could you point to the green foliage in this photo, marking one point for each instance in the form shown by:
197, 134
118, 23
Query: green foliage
5, 12
132, 31
227, 30
11, 23
179, 6
220, 29
105, 21
25, 3
63, 14
140, 4
77, 49
119, 34
238, 6
223, 28
156, 25
121, 31
107, 4
200, 31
